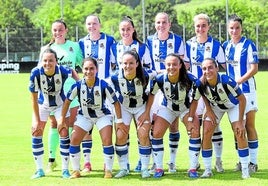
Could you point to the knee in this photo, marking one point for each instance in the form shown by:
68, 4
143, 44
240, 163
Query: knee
157, 133
63, 132
106, 142
37, 131
121, 137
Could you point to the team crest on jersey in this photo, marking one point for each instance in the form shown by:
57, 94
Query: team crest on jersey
208, 49
43, 82
134, 49
166, 88
57, 81
83, 91
170, 45
220, 91
101, 45
122, 84
97, 93
71, 49
138, 82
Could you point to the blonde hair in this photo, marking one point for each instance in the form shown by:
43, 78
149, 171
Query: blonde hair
202, 16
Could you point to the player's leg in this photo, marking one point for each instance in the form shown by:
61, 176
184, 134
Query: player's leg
252, 141
174, 137
194, 142
81, 127
104, 126
143, 131
243, 151
217, 141
53, 143
37, 142
64, 146
208, 130
164, 118
86, 146
121, 147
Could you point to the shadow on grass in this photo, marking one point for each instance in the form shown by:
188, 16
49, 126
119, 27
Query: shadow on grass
179, 175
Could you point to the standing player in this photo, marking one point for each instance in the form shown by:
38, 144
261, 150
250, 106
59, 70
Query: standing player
92, 93
162, 43
97, 45
131, 85
242, 64
176, 85
46, 87
224, 96
197, 49
70, 55
129, 41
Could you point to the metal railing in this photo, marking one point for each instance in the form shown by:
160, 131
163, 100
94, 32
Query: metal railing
23, 44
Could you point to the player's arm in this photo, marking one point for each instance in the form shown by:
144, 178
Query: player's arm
36, 116
75, 75
250, 73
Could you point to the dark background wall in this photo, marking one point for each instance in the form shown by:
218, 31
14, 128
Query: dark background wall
25, 67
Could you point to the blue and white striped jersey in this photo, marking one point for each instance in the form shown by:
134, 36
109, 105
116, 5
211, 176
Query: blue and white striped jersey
176, 97
160, 49
119, 48
224, 94
92, 100
195, 53
132, 93
239, 57
101, 51
50, 88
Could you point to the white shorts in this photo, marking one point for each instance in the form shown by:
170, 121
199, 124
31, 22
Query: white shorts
252, 103
44, 112
87, 123
171, 115
158, 97
233, 114
129, 113
66, 87
200, 107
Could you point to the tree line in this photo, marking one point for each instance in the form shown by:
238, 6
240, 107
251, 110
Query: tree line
35, 14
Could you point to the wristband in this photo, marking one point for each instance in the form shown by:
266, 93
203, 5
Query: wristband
190, 119
119, 120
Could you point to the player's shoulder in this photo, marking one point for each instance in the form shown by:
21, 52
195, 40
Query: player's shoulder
191, 76
72, 43
225, 79
108, 35
150, 37
35, 70
176, 36
160, 77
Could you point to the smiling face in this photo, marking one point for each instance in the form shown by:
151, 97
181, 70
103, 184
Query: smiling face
210, 71
129, 65
235, 30
49, 62
201, 27
173, 66
89, 70
162, 24
126, 30
59, 32
93, 25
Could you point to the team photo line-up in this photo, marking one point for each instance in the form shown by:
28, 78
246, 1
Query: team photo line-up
157, 84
